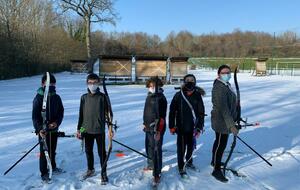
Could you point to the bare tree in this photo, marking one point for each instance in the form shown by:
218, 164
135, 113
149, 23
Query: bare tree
91, 11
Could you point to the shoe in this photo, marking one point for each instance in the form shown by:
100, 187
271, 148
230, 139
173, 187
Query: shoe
183, 173
57, 171
89, 173
45, 178
156, 179
219, 176
104, 179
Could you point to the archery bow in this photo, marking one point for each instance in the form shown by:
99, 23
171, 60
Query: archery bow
238, 109
239, 126
110, 125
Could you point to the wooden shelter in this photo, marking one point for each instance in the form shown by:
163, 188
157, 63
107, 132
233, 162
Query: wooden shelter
79, 66
139, 68
178, 68
261, 66
148, 66
115, 67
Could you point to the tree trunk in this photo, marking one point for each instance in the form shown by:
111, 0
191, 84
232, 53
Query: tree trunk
88, 44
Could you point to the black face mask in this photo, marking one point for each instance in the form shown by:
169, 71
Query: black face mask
189, 85
51, 88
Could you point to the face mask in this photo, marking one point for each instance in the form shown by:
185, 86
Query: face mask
92, 88
152, 90
225, 77
190, 85
51, 88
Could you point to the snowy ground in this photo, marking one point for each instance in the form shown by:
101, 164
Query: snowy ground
271, 100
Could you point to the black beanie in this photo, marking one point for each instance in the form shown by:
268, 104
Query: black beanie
52, 78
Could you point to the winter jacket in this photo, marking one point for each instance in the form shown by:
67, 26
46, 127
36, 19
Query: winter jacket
180, 114
155, 103
54, 109
92, 112
223, 114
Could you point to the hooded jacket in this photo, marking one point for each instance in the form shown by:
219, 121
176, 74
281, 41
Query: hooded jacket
155, 103
180, 115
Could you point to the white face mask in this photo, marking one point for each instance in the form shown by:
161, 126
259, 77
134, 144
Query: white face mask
152, 89
93, 88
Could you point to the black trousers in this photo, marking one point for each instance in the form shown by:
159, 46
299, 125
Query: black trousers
154, 151
89, 145
51, 141
218, 149
185, 147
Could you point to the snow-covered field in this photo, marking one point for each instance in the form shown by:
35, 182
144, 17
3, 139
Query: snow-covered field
272, 100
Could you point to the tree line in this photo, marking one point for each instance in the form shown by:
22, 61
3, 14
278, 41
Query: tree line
36, 35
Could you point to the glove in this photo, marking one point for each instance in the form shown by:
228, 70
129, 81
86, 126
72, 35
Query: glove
234, 130
173, 130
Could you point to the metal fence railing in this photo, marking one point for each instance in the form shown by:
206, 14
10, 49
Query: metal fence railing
278, 66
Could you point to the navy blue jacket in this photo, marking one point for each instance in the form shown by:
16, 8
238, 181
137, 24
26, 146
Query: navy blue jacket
180, 115
151, 109
54, 109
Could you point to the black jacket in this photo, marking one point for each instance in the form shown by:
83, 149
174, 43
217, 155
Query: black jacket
93, 112
180, 115
54, 109
150, 109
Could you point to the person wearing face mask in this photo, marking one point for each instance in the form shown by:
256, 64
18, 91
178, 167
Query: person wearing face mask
223, 116
156, 103
54, 117
186, 119
91, 124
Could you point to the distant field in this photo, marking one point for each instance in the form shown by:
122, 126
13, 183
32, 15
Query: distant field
247, 63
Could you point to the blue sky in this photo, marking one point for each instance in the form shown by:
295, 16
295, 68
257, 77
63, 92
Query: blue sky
205, 16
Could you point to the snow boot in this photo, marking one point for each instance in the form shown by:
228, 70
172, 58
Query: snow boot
219, 176
89, 173
45, 178
104, 179
183, 174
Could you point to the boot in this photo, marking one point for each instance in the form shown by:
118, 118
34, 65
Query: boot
219, 176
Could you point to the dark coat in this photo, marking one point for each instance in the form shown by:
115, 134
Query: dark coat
180, 115
223, 114
155, 102
54, 109
92, 112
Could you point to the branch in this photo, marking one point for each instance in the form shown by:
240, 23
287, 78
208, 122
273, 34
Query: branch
69, 4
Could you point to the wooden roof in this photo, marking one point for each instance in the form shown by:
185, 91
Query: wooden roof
261, 59
78, 60
148, 57
179, 59
115, 57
